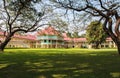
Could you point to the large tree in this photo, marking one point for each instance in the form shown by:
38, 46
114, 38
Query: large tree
107, 11
59, 24
19, 16
95, 34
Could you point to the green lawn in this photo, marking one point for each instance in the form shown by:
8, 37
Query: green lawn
59, 63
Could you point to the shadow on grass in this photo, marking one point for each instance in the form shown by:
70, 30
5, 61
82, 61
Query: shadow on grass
36, 65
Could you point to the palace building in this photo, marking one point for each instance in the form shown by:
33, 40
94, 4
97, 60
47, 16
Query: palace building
51, 38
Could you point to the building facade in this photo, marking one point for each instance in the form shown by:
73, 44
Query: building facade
19, 41
51, 38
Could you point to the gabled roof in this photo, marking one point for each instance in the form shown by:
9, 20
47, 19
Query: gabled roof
79, 39
1, 33
29, 37
109, 39
67, 38
48, 31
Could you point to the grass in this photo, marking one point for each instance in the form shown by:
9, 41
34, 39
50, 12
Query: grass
60, 63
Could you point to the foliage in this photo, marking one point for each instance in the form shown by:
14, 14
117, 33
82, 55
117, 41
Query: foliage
106, 11
73, 35
83, 35
95, 33
20, 16
59, 24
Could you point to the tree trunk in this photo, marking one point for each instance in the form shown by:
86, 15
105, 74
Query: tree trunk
109, 30
118, 47
97, 45
3, 44
117, 42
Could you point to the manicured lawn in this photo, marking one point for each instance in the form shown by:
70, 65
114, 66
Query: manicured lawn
59, 63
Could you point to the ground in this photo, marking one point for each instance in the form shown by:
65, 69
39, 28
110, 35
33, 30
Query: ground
60, 63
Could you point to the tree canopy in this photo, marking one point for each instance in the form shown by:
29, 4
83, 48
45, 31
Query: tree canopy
106, 11
21, 16
95, 33
59, 24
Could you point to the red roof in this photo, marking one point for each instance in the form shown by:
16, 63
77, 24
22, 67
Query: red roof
49, 31
1, 33
30, 37
109, 39
64, 35
67, 38
79, 39
1, 39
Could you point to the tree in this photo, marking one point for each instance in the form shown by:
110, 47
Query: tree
73, 34
59, 24
95, 33
107, 11
83, 35
62, 26
76, 35
19, 16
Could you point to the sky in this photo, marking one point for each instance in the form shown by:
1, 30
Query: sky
69, 16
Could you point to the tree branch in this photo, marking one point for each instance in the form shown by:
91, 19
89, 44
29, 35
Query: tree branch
117, 28
8, 20
105, 26
37, 27
4, 3
110, 27
18, 12
98, 11
103, 6
83, 9
100, 19
71, 7
92, 13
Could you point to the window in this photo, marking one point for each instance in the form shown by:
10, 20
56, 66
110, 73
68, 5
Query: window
45, 41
